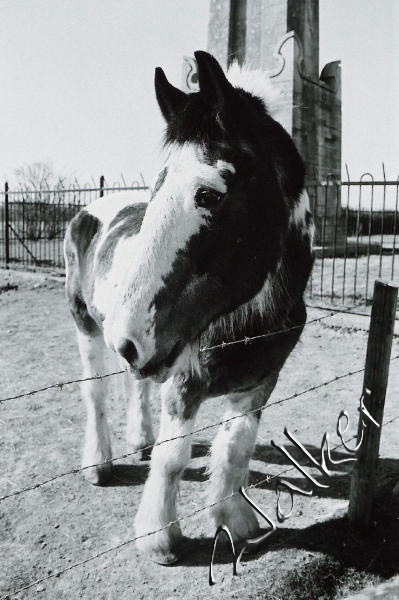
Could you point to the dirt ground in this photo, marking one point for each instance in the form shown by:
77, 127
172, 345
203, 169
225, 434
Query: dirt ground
313, 555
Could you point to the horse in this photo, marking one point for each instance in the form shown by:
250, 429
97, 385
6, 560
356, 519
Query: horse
222, 250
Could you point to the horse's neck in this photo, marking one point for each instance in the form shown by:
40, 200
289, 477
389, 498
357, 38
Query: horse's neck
267, 311
271, 308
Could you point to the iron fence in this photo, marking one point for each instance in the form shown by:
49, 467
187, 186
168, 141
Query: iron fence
356, 237
356, 222
33, 222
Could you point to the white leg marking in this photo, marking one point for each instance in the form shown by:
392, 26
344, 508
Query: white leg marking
97, 446
158, 503
139, 426
231, 451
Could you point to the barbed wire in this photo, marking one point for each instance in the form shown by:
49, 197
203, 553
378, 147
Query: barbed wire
245, 340
76, 470
267, 479
390, 421
352, 328
349, 311
59, 385
129, 541
185, 435
257, 410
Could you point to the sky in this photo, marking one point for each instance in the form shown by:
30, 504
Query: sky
77, 81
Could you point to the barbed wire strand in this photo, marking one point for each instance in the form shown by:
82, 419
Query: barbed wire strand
245, 340
390, 421
357, 314
199, 430
353, 328
60, 385
129, 541
184, 435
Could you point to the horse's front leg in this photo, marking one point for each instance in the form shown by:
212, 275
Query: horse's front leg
97, 444
231, 452
158, 503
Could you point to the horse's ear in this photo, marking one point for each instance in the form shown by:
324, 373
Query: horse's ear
214, 85
170, 98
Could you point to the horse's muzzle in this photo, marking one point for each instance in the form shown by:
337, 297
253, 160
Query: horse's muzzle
127, 349
157, 368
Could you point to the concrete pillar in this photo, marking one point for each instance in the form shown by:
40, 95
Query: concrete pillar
282, 38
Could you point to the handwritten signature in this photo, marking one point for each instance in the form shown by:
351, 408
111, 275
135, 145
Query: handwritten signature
282, 485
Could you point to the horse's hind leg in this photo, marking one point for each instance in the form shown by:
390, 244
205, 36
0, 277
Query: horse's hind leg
231, 451
97, 446
139, 426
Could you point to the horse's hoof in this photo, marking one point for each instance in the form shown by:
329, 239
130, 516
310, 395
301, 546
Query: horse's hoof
140, 449
141, 454
163, 558
165, 552
99, 475
163, 547
145, 454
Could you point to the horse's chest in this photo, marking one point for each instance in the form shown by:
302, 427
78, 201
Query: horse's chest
246, 365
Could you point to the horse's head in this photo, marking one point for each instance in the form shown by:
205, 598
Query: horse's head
216, 223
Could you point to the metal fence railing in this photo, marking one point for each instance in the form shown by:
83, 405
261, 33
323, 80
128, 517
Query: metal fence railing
33, 222
356, 239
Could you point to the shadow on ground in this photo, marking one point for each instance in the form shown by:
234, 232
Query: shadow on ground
338, 483
337, 553
336, 556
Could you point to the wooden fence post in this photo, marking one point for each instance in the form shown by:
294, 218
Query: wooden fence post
6, 225
102, 180
375, 379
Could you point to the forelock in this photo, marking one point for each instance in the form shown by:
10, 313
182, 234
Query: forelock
190, 163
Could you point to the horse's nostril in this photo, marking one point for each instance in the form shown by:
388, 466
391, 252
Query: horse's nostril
127, 349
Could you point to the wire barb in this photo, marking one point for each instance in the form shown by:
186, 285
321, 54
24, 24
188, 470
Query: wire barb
266, 479
199, 430
245, 340
194, 432
268, 334
59, 385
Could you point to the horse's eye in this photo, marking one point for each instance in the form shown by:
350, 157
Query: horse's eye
207, 198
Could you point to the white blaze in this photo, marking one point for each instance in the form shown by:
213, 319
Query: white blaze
142, 262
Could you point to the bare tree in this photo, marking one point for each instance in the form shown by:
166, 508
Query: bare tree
39, 177
43, 199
